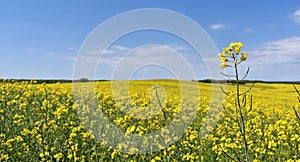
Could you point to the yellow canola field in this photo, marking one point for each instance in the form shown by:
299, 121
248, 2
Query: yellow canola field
154, 120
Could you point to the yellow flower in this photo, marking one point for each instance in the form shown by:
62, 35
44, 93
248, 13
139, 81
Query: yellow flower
86, 135
72, 135
4, 157
58, 156
52, 149
156, 158
237, 50
222, 54
130, 129
133, 150
224, 65
42, 155
231, 45
223, 59
228, 51
39, 138
25, 131
240, 44
244, 57
37, 124
70, 155
237, 47
114, 154
19, 138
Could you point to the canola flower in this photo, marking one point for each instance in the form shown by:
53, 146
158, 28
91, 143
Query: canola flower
232, 54
40, 122
240, 104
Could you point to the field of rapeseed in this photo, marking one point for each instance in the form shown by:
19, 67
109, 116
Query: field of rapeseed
43, 122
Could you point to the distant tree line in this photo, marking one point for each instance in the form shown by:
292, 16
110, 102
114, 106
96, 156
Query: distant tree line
51, 81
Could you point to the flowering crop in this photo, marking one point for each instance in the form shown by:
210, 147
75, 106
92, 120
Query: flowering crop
40, 122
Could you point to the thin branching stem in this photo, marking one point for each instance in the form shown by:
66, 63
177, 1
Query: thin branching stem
241, 100
296, 113
160, 105
224, 91
227, 75
246, 74
248, 89
241, 119
231, 158
296, 89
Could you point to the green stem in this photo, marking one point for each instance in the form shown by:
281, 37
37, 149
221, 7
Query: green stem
160, 105
241, 120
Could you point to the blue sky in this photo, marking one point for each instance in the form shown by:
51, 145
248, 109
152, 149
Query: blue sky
41, 39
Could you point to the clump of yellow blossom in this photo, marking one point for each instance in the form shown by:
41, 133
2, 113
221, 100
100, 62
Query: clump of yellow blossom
230, 55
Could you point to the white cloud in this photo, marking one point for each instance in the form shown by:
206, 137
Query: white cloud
71, 48
121, 48
150, 51
248, 29
296, 16
113, 50
125, 61
145, 60
50, 53
157, 55
280, 51
100, 52
179, 48
276, 60
70, 58
117, 52
219, 26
